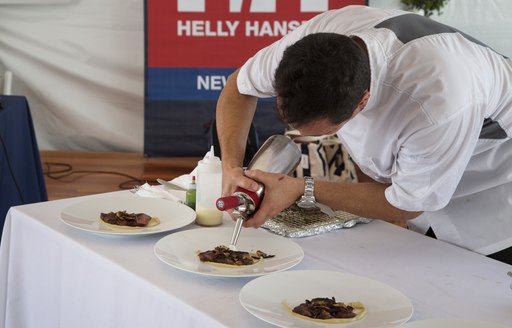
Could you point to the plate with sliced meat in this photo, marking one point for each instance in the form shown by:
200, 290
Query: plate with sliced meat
204, 251
320, 298
127, 215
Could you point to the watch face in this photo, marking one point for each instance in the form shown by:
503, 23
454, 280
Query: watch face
307, 204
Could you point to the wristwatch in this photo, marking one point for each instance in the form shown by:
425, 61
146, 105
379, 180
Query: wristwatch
308, 200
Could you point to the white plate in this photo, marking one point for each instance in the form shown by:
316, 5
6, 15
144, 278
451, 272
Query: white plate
86, 215
451, 323
263, 297
180, 249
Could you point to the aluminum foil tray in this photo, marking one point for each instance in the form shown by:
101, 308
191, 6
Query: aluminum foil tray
296, 222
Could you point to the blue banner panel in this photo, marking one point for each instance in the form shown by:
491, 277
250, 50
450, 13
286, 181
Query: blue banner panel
165, 83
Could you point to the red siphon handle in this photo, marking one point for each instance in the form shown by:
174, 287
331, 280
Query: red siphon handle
227, 203
241, 196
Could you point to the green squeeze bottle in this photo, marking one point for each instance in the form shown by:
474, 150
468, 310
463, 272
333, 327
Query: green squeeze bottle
190, 196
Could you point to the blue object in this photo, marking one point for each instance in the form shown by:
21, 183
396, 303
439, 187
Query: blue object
21, 176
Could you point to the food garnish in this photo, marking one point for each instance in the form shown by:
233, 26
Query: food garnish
223, 255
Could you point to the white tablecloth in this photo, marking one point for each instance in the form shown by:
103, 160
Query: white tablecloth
52, 275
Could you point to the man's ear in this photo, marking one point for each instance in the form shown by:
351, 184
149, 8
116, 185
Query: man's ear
364, 99
362, 103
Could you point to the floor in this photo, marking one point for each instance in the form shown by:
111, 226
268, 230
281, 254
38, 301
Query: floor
72, 174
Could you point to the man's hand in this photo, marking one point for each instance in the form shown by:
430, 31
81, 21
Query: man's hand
233, 178
281, 191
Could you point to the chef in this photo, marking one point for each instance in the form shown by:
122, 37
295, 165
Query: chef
424, 110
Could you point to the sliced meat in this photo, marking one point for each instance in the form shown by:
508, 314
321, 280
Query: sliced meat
324, 308
222, 254
123, 218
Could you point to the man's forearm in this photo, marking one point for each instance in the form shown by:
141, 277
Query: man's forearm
234, 116
364, 199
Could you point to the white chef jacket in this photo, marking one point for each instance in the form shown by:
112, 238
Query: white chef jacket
432, 89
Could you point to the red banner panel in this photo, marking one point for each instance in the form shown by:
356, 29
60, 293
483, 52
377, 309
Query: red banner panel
222, 33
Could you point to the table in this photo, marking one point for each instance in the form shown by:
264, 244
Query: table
52, 275
22, 180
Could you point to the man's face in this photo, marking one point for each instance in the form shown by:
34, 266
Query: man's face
323, 126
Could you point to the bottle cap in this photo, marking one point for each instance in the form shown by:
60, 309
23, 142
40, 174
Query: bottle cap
210, 163
210, 157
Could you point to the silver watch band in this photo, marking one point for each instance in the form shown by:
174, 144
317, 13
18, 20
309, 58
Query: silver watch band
309, 188
308, 200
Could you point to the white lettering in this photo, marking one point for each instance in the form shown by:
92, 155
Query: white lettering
263, 6
209, 31
217, 82
313, 5
251, 28
211, 82
232, 27
270, 28
256, 6
183, 28
191, 6
280, 28
200, 28
207, 28
203, 82
220, 29
266, 29
197, 28
235, 6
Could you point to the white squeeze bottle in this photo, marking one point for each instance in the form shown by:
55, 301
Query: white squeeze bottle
209, 188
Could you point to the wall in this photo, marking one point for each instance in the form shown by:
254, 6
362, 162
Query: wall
81, 64
489, 21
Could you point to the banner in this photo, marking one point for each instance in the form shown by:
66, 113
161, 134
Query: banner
191, 48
